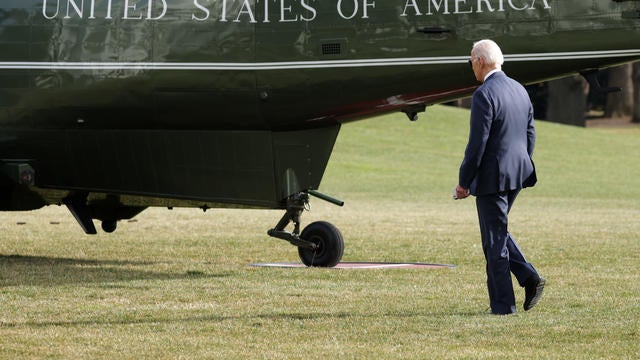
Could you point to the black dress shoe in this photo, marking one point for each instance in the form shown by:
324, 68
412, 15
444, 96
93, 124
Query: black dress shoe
533, 293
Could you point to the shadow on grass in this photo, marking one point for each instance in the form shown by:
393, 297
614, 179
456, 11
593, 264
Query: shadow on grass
18, 270
253, 319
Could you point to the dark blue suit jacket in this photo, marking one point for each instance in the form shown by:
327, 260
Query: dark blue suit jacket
501, 138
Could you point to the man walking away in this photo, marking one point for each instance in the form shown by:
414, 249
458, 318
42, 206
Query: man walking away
497, 165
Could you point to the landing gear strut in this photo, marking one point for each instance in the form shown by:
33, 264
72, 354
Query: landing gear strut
320, 243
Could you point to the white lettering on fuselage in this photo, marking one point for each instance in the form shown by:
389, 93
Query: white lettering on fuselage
248, 9
266, 11
447, 7
353, 6
77, 9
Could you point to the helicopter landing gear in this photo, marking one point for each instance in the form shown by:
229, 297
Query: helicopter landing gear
320, 243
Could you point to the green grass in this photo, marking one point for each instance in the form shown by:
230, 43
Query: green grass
176, 284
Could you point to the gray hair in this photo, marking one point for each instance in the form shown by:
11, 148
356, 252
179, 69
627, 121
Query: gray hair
489, 51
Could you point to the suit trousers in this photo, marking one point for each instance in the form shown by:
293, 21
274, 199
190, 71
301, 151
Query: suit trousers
501, 251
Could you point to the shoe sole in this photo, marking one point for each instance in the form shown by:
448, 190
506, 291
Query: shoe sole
538, 295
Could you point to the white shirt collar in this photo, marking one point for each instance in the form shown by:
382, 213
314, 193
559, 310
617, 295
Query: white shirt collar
490, 73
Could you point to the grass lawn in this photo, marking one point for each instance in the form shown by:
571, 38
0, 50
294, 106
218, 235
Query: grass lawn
176, 284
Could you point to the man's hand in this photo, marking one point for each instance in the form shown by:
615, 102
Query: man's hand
461, 192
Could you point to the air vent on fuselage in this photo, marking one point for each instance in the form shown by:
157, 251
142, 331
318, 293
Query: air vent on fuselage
333, 47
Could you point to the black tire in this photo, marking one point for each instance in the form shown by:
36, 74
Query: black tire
329, 241
109, 226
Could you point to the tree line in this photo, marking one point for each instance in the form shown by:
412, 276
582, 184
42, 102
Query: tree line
573, 100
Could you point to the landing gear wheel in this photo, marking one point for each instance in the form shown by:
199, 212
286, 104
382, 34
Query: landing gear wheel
109, 226
329, 242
